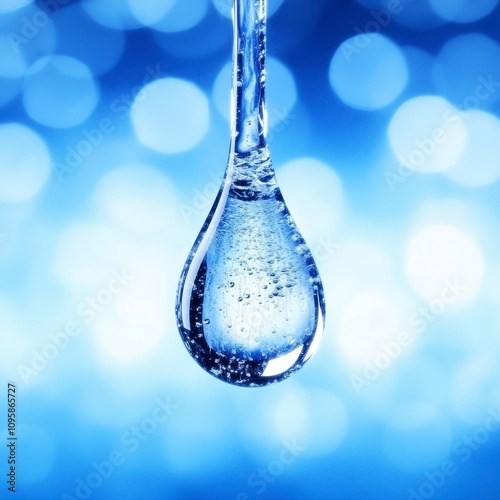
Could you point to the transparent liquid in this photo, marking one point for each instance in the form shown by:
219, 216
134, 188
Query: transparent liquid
250, 303
250, 306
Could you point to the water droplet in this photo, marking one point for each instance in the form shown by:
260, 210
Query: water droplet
250, 241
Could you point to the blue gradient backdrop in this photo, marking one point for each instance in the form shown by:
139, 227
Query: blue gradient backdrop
385, 132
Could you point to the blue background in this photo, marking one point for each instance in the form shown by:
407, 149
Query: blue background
113, 141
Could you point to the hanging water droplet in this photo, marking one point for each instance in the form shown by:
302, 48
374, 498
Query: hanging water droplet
251, 243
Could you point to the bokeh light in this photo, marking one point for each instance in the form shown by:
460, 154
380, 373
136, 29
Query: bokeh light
112, 14
463, 11
479, 164
323, 196
355, 90
25, 162
59, 92
150, 13
427, 134
444, 264
359, 69
170, 115
138, 198
11, 5
182, 16
467, 71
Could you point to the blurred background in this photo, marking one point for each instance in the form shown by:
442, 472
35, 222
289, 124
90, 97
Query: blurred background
385, 133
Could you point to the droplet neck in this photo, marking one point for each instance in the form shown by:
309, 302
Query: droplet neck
249, 119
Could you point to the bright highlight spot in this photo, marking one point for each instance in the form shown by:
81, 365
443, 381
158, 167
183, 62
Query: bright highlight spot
182, 15
138, 198
25, 162
170, 115
441, 262
11, 5
427, 134
324, 196
59, 92
368, 321
368, 71
150, 12
463, 11
112, 14
480, 162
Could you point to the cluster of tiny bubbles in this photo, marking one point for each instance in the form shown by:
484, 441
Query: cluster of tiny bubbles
281, 91
60, 92
359, 67
170, 115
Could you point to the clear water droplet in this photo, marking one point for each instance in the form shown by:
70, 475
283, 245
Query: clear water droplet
250, 242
